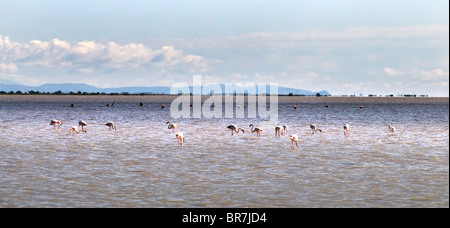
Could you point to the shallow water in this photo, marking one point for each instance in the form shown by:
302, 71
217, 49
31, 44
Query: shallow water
141, 165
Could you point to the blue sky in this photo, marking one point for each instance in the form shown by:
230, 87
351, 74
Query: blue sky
345, 46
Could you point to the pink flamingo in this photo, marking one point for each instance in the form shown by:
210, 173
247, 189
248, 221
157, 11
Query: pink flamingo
55, 123
285, 130
315, 129
278, 131
392, 130
111, 126
82, 124
74, 130
180, 138
256, 129
294, 139
234, 129
171, 126
346, 130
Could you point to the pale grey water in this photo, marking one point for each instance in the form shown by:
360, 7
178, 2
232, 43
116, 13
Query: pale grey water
141, 165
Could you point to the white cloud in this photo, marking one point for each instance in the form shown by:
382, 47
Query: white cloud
24, 80
392, 72
8, 68
433, 75
87, 56
86, 70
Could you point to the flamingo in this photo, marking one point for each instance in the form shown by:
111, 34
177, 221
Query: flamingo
278, 131
172, 126
285, 130
294, 139
82, 124
180, 138
346, 130
234, 129
56, 123
392, 130
111, 126
315, 129
74, 130
256, 129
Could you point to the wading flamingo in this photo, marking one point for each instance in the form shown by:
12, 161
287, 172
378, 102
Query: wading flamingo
111, 126
234, 129
55, 123
180, 138
294, 140
82, 124
346, 130
74, 130
278, 131
315, 129
392, 130
171, 126
285, 130
256, 129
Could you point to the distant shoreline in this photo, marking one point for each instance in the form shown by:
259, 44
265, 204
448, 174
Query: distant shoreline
166, 99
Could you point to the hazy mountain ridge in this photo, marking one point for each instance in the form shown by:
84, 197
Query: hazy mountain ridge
73, 87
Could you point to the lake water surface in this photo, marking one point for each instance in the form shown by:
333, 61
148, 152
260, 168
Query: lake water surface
141, 165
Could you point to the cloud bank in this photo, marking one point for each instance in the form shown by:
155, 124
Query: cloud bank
90, 56
353, 61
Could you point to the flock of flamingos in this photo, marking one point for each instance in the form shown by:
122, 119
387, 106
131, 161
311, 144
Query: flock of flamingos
279, 130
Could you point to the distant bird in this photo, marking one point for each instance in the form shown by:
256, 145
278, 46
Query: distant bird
74, 130
285, 130
171, 126
163, 106
361, 107
295, 106
326, 106
141, 104
55, 123
346, 130
234, 129
256, 129
294, 140
72, 105
315, 129
392, 130
111, 126
180, 138
108, 105
278, 131
82, 124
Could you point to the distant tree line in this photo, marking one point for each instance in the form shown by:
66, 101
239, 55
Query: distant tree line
59, 92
